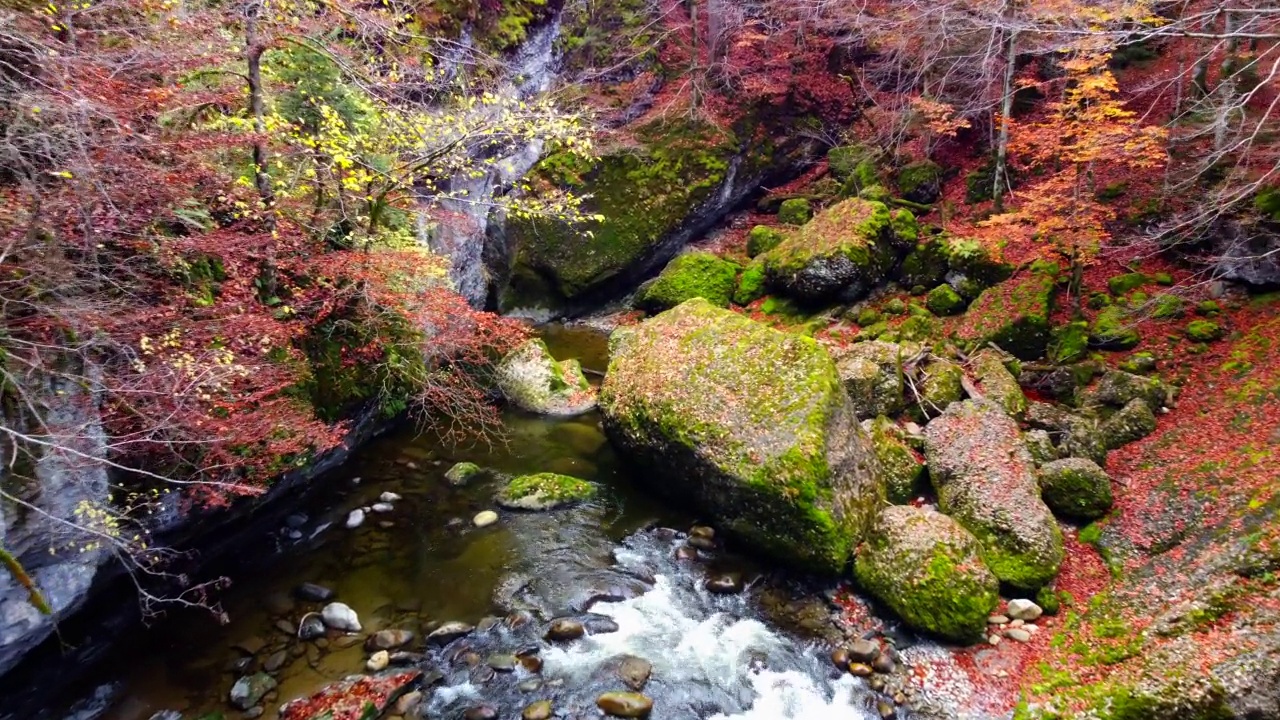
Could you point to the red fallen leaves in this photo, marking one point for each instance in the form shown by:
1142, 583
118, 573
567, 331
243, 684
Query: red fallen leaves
360, 699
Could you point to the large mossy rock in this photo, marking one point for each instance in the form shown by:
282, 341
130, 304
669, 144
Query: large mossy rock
928, 569
997, 383
533, 380
920, 182
1014, 315
642, 192
751, 425
695, 274
1076, 488
544, 491
1118, 388
985, 479
901, 467
842, 252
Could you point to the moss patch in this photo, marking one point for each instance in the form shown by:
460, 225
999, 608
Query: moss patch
942, 300
762, 239
1013, 315
544, 491
796, 211
847, 243
696, 274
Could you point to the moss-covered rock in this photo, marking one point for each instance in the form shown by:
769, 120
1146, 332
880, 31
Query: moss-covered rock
985, 479
1076, 488
1203, 331
872, 376
942, 300
1126, 283
544, 491
926, 265
845, 250
691, 275
1129, 424
1083, 438
762, 239
751, 284
1118, 388
1208, 308
795, 211
642, 191
1013, 315
997, 383
750, 425
906, 230
1113, 329
1139, 363
901, 467
874, 193
940, 385
974, 266
927, 568
920, 182
843, 161
1040, 445
464, 473
533, 380
1070, 342
1166, 306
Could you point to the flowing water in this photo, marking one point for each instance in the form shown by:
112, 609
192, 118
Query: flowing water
423, 562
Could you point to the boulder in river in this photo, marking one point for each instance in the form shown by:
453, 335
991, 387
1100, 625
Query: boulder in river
634, 672
625, 704
448, 632
340, 616
564, 629
544, 491
463, 473
691, 275
928, 570
985, 479
248, 691
750, 424
533, 380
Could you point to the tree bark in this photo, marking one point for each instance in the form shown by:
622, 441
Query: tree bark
1000, 176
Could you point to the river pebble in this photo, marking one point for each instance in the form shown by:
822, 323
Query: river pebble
484, 518
311, 592
634, 672
1021, 609
625, 704
355, 519
388, 497
565, 629
340, 616
378, 661
540, 710
1018, 634
382, 507
388, 639
448, 632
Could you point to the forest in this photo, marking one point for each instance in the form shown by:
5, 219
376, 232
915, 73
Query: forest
239, 238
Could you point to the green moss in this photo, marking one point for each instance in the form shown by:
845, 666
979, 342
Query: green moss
920, 181
1112, 330
1163, 278
336, 387
1048, 600
918, 328
1166, 306
1070, 342
1124, 284
796, 211
843, 161
545, 489
895, 306
691, 275
853, 234
943, 300
1076, 488
977, 263
902, 470
1013, 315
874, 193
762, 239
1203, 331
1267, 202
868, 316
1139, 363
642, 195
1208, 308
925, 265
751, 284
998, 384
905, 228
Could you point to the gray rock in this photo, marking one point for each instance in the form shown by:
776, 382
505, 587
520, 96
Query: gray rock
724, 584
340, 616
1076, 488
275, 661
311, 627
996, 383
533, 380
1018, 634
449, 632
863, 650
355, 519
635, 672
311, 592
625, 704
1040, 445
382, 507
1129, 424
484, 518
1117, 388
871, 373
166, 715
248, 691
564, 629
388, 497
1022, 609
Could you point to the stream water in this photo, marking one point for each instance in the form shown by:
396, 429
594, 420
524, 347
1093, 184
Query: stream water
423, 562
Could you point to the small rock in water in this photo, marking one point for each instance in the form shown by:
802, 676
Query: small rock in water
860, 669
484, 518
406, 658
275, 661
1021, 609
599, 624
634, 672
702, 531
388, 497
564, 629
340, 616
531, 663
293, 534
726, 584
311, 592
382, 507
378, 661
311, 627
540, 710
502, 662
408, 702
530, 685
295, 521
388, 639
886, 710
286, 627
355, 518
883, 664
625, 704
840, 658
863, 650
449, 632
1018, 634
462, 473
702, 543
685, 552
249, 691
481, 712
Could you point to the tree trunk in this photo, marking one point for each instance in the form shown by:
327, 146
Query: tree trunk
1000, 176
253, 50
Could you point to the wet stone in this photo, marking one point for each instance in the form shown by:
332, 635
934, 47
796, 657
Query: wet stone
702, 531
449, 632
286, 627
248, 691
684, 552
599, 625
886, 710
840, 658
863, 650
883, 664
276, 661
702, 543
488, 623
531, 663
311, 592
565, 629
502, 663
725, 584
481, 712
378, 661
484, 518
634, 672
540, 710
625, 704
311, 627
469, 658
482, 674
860, 669
530, 685
388, 639
406, 658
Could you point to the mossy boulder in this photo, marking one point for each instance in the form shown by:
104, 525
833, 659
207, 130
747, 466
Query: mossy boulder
1070, 342
795, 211
748, 424
642, 191
1113, 329
464, 473
985, 479
1139, 363
1129, 424
875, 193
843, 161
1014, 315
1040, 445
531, 379
751, 284
843, 251
544, 491
901, 467
920, 182
1083, 438
872, 373
1126, 283
997, 383
973, 266
1118, 388
941, 383
762, 239
928, 569
942, 300
691, 275
1203, 331
906, 230
926, 265
1076, 488
1167, 307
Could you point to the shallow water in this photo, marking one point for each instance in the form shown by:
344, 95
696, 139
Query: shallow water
714, 656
